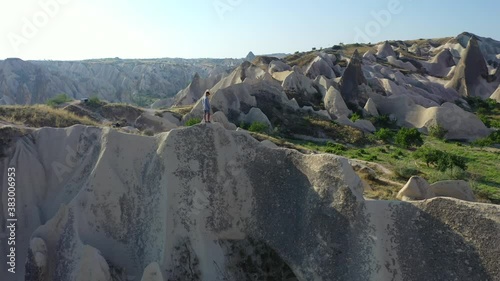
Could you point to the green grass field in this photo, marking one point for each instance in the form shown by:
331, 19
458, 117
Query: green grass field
483, 170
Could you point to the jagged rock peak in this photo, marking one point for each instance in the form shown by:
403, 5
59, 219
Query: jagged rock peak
471, 70
352, 78
385, 50
250, 57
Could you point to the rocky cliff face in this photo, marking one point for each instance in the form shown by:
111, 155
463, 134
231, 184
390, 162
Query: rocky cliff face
134, 81
208, 204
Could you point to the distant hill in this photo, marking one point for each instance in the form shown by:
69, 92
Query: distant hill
139, 82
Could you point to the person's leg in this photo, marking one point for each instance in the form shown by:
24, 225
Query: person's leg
208, 116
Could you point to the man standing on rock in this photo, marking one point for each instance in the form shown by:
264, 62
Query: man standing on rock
205, 101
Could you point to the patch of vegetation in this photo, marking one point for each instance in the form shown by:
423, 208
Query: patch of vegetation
408, 138
437, 132
335, 148
355, 117
58, 100
94, 102
383, 121
301, 59
482, 106
38, 116
149, 132
481, 166
181, 110
193, 121
441, 160
385, 135
258, 127
406, 172
492, 139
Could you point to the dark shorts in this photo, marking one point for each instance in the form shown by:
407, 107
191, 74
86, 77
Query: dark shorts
207, 111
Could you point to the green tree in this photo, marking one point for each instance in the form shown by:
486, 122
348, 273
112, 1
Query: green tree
409, 137
385, 135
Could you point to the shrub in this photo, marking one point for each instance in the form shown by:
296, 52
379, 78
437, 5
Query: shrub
437, 132
406, 173
485, 120
383, 121
482, 106
335, 148
409, 137
493, 138
258, 127
193, 121
355, 117
441, 160
385, 135
94, 102
58, 100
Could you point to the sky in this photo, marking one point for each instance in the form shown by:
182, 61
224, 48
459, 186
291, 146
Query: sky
90, 29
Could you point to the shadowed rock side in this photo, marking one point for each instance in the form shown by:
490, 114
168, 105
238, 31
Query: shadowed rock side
471, 72
204, 203
352, 78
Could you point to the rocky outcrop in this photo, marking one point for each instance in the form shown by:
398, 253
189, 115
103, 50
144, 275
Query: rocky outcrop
194, 91
454, 189
471, 72
220, 117
385, 50
246, 72
250, 57
256, 115
371, 108
460, 124
418, 188
203, 203
496, 95
321, 65
335, 104
156, 124
278, 66
352, 78
298, 84
441, 64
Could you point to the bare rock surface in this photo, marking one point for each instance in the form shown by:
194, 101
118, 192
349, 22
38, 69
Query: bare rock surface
193, 203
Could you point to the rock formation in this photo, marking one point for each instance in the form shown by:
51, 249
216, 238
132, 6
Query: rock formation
203, 203
471, 72
278, 66
195, 90
351, 79
496, 95
385, 50
460, 124
320, 66
418, 188
250, 57
441, 64
371, 108
335, 104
